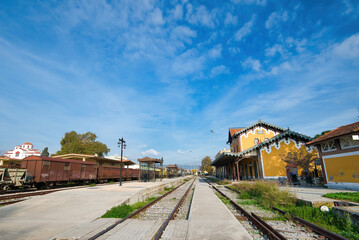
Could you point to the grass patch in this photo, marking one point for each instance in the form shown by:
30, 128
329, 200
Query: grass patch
328, 220
269, 195
349, 196
111, 182
122, 211
92, 184
223, 199
125, 210
186, 179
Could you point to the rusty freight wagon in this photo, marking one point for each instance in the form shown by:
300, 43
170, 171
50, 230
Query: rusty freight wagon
113, 173
49, 171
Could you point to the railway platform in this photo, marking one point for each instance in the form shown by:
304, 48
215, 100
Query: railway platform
210, 218
43, 217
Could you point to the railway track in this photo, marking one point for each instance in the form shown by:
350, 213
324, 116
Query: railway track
262, 224
151, 221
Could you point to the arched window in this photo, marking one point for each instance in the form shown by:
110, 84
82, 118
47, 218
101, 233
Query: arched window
17, 154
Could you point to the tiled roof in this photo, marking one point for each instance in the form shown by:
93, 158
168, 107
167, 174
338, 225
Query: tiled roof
351, 128
260, 122
287, 133
234, 130
27, 143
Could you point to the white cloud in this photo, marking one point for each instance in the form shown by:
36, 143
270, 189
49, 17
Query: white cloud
249, 2
156, 17
286, 66
188, 63
201, 16
230, 19
180, 151
218, 70
252, 63
245, 30
150, 152
216, 51
178, 12
183, 33
349, 48
276, 17
272, 51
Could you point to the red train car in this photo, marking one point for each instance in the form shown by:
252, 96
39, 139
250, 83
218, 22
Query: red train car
113, 173
47, 170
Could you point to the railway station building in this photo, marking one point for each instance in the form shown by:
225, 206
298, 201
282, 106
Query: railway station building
255, 152
339, 156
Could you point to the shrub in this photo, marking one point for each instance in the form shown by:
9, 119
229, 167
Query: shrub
268, 193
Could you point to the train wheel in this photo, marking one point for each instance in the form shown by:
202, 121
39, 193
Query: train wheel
6, 188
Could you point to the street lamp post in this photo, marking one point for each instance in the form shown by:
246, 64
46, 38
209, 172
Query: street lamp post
121, 143
211, 131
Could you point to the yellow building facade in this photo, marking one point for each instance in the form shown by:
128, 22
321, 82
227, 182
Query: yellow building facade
256, 152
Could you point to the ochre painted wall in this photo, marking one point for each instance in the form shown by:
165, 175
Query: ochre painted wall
343, 169
248, 142
272, 162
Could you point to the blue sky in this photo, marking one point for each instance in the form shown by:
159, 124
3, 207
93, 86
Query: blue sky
162, 74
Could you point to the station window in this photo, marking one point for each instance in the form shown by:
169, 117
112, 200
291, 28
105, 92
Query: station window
256, 141
328, 146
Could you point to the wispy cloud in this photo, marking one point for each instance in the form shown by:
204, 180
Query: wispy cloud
245, 30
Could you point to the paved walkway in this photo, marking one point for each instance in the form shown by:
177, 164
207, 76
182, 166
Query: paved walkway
210, 218
43, 217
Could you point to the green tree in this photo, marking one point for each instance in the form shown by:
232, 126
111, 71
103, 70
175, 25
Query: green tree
84, 143
318, 135
206, 165
45, 152
301, 158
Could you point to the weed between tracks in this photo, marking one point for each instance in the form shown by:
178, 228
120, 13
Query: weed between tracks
124, 210
269, 195
349, 196
223, 182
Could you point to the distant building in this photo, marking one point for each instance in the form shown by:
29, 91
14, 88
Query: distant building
21, 152
339, 156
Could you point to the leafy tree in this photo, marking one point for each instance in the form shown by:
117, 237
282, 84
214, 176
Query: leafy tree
45, 152
206, 165
84, 143
194, 171
318, 135
300, 158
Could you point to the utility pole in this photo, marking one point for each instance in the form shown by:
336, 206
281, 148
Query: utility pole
121, 143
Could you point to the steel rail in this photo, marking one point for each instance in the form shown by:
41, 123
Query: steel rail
257, 221
324, 232
133, 214
172, 215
